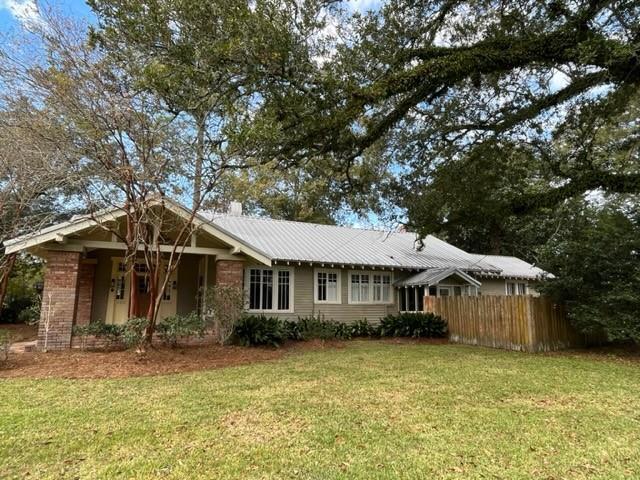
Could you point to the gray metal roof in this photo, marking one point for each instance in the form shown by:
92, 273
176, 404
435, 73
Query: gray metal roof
511, 267
434, 276
308, 242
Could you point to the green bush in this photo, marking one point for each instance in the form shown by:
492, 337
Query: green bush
171, 328
254, 330
416, 325
292, 330
362, 328
317, 327
133, 331
99, 329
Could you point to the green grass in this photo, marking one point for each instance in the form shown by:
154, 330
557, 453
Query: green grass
368, 411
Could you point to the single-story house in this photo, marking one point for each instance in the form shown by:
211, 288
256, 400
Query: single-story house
289, 269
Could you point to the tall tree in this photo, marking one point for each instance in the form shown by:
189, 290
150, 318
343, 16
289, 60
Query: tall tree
114, 143
205, 59
596, 258
432, 79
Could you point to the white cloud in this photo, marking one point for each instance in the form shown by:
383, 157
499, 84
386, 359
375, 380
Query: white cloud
25, 11
364, 5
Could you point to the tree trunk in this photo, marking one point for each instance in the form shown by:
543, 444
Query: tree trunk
6, 267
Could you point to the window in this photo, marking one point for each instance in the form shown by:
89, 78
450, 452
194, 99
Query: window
457, 291
283, 289
382, 288
511, 288
119, 286
522, 289
412, 299
360, 288
327, 286
269, 289
443, 291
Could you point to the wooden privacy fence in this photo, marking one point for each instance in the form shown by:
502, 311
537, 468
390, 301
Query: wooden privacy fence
525, 323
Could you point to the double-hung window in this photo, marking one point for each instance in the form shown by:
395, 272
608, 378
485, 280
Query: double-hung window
270, 289
327, 286
360, 288
381, 288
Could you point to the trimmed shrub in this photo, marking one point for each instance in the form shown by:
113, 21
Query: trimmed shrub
171, 328
416, 325
362, 328
99, 329
254, 330
133, 331
317, 327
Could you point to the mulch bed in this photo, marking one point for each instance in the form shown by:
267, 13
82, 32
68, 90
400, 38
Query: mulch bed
158, 360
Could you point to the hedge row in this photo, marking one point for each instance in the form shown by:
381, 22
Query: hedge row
261, 330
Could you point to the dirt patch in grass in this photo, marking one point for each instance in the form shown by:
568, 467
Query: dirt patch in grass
19, 332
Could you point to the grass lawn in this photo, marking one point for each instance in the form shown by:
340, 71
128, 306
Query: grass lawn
370, 410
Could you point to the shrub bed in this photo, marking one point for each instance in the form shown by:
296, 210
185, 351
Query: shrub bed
262, 330
415, 325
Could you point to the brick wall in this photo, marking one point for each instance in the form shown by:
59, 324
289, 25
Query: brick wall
59, 300
229, 272
85, 292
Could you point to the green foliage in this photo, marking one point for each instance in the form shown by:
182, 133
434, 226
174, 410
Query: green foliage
362, 328
253, 330
170, 329
133, 331
5, 343
416, 325
317, 327
225, 304
22, 301
261, 330
99, 329
595, 258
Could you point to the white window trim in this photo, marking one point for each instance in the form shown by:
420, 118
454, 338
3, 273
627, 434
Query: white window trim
338, 300
274, 293
515, 288
370, 300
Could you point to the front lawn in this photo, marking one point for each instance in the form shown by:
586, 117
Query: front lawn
370, 410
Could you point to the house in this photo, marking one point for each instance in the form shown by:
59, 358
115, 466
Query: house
286, 268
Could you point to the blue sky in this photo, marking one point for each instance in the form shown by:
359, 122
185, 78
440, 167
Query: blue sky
12, 12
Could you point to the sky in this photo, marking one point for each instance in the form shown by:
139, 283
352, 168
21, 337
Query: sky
14, 12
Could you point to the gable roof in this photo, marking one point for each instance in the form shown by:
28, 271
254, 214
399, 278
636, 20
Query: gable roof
512, 267
334, 245
434, 276
83, 222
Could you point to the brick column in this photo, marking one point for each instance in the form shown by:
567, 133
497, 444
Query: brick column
229, 272
59, 300
85, 292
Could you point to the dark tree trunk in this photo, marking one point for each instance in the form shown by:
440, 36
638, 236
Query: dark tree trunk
6, 267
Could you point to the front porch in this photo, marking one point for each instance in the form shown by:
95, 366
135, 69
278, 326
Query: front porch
80, 288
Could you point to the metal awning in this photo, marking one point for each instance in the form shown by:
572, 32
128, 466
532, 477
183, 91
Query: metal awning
434, 275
